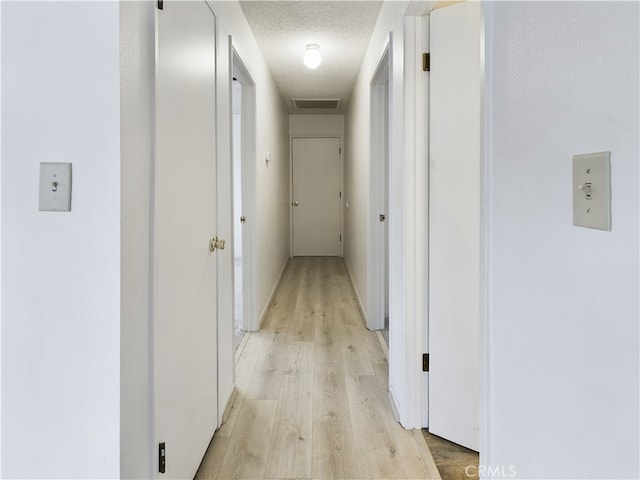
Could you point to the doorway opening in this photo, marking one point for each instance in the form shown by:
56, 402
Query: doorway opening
243, 153
378, 315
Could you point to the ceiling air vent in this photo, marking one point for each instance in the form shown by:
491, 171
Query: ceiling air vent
313, 103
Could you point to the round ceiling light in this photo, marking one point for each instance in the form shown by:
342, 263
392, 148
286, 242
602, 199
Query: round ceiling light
312, 56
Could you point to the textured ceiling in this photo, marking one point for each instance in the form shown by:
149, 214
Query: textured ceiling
283, 30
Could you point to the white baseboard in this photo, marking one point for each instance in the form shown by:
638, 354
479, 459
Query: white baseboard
272, 295
356, 293
394, 406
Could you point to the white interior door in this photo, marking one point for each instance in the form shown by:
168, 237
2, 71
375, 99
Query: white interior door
378, 251
185, 351
316, 197
454, 222
244, 121
238, 213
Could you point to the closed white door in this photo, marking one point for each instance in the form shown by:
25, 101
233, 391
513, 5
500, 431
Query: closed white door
316, 195
454, 222
184, 328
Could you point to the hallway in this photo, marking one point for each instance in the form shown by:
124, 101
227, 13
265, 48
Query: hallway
312, 392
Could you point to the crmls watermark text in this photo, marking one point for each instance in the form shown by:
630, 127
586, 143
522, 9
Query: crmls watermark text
490, 471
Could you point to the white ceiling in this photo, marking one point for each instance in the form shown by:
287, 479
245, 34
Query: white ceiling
341, 28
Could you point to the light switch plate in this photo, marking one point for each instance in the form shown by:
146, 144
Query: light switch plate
592, 190
55, 187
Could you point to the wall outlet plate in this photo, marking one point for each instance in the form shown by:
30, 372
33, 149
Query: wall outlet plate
592, 190
55, 187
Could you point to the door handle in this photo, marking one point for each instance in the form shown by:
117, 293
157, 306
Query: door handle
295, 204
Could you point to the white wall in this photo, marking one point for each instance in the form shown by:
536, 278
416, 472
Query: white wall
357, 125
60, 312
273, 185
300, 125
358, 216
137, 97
270, 209
272, 135
562, 335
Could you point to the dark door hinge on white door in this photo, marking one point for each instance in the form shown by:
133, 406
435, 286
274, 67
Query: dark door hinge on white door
162, 457
426, 62
160, 4
425, 362
340, 150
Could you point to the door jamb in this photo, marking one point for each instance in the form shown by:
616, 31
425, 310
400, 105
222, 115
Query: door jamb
250, 320
380, 86
408, 217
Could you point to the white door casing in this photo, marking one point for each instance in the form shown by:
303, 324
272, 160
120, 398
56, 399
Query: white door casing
377, 255
248, 182
454, 222
184, 276
316, 196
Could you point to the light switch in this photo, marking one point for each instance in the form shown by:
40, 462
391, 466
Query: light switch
592, 190
55, 187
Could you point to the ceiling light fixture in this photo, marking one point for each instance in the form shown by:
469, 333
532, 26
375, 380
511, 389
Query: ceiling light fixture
312, 56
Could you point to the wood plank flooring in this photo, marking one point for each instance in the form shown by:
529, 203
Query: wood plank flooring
311, 397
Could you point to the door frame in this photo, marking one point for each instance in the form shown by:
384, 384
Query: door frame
248, 168
378, 182
341, 141
408, 219
417, 109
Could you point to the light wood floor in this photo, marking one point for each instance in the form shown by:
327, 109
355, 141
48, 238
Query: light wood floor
312, 392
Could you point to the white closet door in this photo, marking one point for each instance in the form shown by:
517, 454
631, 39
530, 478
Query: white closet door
454, 222
184, 328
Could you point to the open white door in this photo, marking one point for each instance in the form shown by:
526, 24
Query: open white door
454, 222
184, 313
244, 172
378, 251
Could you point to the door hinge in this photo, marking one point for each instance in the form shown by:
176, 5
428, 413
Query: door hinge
162, 457
425, 362
426, 62
216, 243
340, 150
340, 237
160, 4
340, 194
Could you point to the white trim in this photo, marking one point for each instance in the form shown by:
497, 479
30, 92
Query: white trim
422, 152
379, 140
418, 8
415, 194
272, 296
357, 295
248, 154
408, 214
486, 98
394, 406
